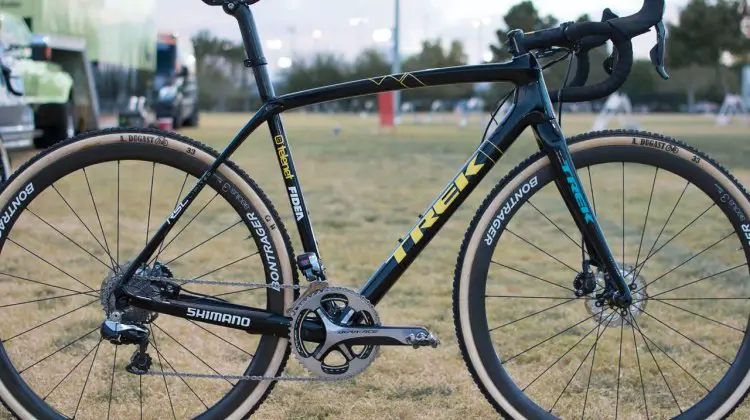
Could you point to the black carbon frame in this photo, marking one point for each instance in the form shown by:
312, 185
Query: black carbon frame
531, 108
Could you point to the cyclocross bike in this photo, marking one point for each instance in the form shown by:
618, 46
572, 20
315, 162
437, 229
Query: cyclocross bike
605, 276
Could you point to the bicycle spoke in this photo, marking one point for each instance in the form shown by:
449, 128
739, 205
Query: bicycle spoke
161, 367
591, 370
176, 202
661, 231
86, 382
191, 353
534, 313
45, 299
85, 356
80, 220
585, 357
664, 378
68, 238
591, 186
623, 228
528, 297
651, 255
619, 367
707, 298
50, 264
181, 378
638, 360
189, 222
696, 281
640, 331
686, 337
112, 383
645, 220
700, 316
203, 242
20, 372
45, 284
532, 276
556, 226
226, 265
560, 358
686, 261
47, 322
219, 337
557, 334
250, 289
96, 211
150, 199
542, 251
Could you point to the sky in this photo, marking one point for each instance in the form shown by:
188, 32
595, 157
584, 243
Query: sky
293, 22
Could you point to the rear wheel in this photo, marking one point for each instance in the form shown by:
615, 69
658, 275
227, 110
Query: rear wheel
534, 330
81, 210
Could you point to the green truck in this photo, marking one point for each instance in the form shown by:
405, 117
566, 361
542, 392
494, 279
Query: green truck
80, 59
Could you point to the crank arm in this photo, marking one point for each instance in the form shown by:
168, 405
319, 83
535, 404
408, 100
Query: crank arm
373, 335
388, 336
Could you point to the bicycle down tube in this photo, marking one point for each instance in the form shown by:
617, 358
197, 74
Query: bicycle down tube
531, 108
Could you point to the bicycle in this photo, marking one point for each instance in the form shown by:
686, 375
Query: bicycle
224, 343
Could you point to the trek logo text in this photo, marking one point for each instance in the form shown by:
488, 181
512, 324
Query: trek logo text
441, 205
576, 189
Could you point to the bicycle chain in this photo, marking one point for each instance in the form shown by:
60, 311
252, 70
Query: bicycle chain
257, 378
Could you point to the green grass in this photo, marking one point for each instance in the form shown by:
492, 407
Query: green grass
365, 188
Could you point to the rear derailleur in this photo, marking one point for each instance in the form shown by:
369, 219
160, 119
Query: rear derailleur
118, 333
126, 324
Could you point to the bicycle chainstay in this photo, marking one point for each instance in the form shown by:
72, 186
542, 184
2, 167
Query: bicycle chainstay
275, 286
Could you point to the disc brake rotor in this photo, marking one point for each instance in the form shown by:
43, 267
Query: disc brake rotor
603, 312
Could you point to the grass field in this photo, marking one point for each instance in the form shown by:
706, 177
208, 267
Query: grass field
364, 189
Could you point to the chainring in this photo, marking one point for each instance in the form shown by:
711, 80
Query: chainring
342, 307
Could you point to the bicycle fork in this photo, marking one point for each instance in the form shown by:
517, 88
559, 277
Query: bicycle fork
553, 143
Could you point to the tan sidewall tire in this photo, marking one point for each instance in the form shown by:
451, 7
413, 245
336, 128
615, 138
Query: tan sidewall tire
173, 143
506, 188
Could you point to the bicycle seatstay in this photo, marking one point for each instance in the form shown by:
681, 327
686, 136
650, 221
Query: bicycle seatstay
532, 108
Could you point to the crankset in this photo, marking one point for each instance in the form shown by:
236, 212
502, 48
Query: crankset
352, 333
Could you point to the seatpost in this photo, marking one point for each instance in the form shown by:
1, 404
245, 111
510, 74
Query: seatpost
253, 47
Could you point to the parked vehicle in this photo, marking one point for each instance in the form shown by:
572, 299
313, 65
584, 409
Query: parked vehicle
16, 117
84, 59
176, 83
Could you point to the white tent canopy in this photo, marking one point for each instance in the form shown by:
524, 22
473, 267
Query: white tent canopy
732, 107
618, 104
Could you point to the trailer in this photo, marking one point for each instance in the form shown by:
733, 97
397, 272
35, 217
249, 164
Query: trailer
84, 60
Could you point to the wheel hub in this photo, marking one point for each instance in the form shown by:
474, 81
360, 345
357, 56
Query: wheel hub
601, 305
140, 285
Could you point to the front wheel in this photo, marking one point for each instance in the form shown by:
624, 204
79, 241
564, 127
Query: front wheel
72, 218
538, 335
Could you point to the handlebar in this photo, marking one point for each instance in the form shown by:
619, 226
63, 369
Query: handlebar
585, 36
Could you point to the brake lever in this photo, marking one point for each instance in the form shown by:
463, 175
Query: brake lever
657, 53
611, 61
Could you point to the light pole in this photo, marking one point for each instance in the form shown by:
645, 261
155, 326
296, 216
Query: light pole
745, 28
396, 59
